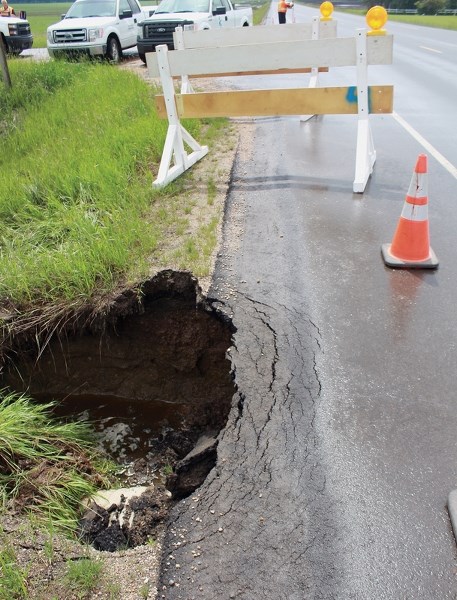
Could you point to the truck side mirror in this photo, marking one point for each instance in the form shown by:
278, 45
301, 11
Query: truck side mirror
220, 10
126, 14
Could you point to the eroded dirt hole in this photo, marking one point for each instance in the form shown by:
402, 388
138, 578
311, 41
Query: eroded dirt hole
154, 378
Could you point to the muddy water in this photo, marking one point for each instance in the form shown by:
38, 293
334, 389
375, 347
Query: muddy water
153, 379
137, 435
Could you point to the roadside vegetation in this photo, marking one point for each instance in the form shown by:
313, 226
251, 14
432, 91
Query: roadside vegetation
78, 213
79, 219
439, 21
47, 467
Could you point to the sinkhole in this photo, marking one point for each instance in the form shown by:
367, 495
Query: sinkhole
153, 377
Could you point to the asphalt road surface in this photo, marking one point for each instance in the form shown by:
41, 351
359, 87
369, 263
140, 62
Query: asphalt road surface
340, 450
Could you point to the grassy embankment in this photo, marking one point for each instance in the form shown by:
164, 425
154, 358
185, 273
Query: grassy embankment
78, 213
40, 16
439, 21
78, 217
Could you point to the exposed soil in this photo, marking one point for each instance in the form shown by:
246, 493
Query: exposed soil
159, 341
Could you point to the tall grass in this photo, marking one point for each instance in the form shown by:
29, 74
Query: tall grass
79, 148
46, 467
13, 579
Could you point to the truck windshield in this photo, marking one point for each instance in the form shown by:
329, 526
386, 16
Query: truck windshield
176, 6
92, 8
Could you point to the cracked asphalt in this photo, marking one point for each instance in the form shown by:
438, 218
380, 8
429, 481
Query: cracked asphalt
339, 450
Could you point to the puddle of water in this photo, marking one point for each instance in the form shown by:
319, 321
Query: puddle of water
130, 432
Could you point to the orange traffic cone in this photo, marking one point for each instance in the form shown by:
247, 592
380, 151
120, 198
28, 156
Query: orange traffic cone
410, 247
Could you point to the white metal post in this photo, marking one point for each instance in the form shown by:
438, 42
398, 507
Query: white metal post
365, 153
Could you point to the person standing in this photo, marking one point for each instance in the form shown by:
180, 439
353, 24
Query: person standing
283, 5
5, 10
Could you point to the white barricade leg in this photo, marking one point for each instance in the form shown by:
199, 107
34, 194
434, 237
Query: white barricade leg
174, 149
365, 154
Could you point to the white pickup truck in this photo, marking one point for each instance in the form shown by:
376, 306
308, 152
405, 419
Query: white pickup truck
15, 34
96, 28
199, 14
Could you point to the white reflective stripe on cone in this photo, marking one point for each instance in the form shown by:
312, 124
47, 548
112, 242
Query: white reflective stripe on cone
415, 212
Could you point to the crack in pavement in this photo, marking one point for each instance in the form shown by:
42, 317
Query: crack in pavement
256, 505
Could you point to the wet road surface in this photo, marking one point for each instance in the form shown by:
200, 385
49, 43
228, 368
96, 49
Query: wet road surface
340, 451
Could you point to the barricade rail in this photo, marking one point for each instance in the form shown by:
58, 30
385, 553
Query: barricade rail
272, 56
220, 38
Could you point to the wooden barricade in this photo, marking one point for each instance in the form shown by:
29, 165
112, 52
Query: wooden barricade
274, 56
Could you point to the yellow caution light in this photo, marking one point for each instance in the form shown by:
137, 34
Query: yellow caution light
376, 18
326, 9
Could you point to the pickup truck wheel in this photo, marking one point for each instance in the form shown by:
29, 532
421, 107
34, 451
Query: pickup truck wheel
113, 50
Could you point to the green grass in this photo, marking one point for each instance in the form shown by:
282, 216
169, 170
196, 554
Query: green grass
259, 11
13, 579
83, 576
78, 213
439, 21
46, 467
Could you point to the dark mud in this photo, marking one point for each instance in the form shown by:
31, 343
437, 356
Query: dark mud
153, 377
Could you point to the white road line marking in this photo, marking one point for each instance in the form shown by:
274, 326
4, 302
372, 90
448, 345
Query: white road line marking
431, 49
423, 142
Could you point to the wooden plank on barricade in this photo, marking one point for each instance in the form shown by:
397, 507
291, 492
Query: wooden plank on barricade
257, 103
337, 52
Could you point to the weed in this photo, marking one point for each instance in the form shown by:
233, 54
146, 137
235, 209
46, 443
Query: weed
114, 591
12, 578
212, 191
144, 590
83, 575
